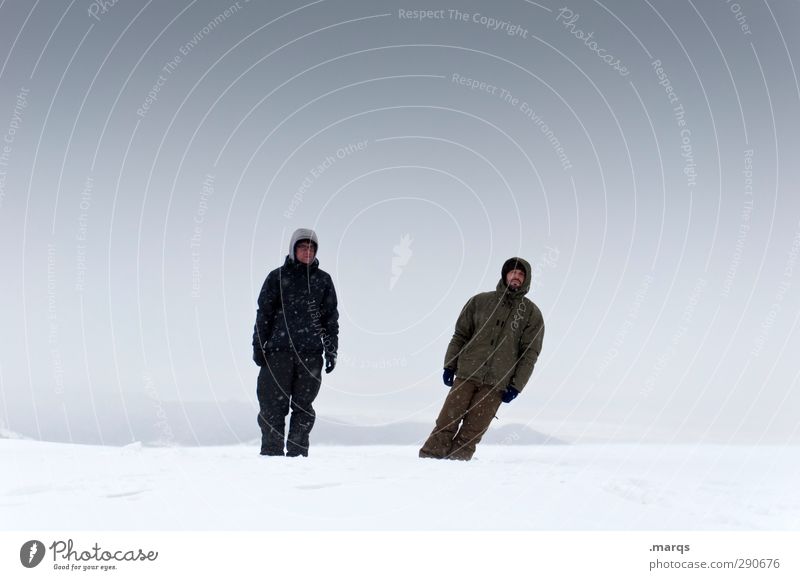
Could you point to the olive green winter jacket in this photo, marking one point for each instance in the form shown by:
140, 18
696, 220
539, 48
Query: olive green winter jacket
498, 336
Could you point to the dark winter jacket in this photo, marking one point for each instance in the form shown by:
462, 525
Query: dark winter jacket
498, 336
297, 311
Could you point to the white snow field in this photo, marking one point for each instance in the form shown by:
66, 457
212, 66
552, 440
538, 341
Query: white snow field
54, 486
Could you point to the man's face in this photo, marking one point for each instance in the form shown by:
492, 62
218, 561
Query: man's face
515, 279
304, 252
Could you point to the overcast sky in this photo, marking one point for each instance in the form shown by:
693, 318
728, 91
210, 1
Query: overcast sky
156, 157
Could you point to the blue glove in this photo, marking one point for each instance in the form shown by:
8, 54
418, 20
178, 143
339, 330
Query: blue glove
510, 394
448, 376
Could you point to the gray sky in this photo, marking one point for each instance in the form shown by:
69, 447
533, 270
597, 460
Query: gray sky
157, 156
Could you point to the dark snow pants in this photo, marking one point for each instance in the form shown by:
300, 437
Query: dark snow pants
288, 381
471, 404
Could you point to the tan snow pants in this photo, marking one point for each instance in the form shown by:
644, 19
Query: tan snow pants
470, 404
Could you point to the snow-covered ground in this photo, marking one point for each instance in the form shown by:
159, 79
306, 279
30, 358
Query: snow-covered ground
52, 486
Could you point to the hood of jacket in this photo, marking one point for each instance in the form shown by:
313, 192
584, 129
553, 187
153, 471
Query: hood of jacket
302, 234
526, 285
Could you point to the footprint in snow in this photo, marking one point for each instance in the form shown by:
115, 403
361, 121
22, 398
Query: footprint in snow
635, 490
318, 485
125, 494
29, 490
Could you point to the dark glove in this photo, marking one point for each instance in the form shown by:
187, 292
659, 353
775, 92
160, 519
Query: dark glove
448, 376
510, 394
259, 358
330, 362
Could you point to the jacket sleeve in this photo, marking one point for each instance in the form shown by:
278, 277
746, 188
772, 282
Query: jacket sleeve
268, 302
465, 327
330, 319
530, 345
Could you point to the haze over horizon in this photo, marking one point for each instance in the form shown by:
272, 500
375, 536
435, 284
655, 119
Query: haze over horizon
156, 157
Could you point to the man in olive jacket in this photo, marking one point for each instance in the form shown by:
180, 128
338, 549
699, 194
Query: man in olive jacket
297, 321
490, 358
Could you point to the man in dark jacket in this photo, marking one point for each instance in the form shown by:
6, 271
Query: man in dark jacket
490, 358
296, 322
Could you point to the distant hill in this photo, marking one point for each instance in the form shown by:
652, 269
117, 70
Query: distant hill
6, 434
227, 423
415, 434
